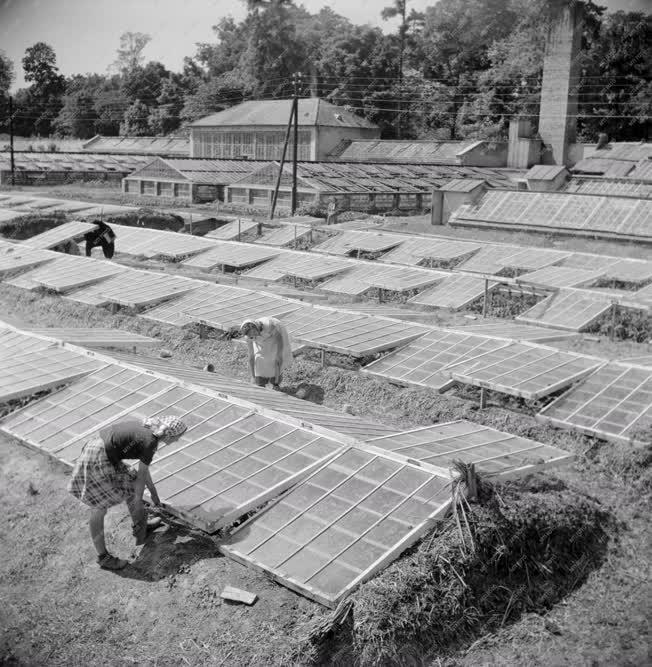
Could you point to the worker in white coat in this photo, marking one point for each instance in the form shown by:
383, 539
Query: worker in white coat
269, 350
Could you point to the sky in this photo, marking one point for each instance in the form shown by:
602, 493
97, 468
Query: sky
85, 34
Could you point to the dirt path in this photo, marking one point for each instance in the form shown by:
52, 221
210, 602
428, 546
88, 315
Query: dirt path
59, 608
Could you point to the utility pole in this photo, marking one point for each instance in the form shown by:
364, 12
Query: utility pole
296, 81
280, 168
11, 138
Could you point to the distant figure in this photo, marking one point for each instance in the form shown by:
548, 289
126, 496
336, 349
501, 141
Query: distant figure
101, 480
603, 141
102, 236
270, 352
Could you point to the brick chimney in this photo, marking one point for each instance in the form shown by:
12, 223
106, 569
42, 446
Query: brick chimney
561, 75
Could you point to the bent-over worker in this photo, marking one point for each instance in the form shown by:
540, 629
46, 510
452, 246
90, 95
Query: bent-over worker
101, 480
269, 347
102, 236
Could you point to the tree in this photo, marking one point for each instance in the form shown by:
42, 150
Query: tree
6, 79
47, 86
399, 8
274, 51
78, 116
130, 53
110, 106
135, 123
6, 73
164, 118
615, 87
40, 67
145, 83
413, 21
454, 44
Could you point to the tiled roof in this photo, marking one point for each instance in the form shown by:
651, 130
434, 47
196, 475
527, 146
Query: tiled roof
359, 177
147, 145
401, 151
631, 151
462, 185
78, 162
600, 185
198, 171
603, 166
642, 170
312, 112
545, 172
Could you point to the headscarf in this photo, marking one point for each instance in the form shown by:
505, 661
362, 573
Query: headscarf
247, 325
164, 427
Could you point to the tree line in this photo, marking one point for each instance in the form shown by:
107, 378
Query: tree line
460, 69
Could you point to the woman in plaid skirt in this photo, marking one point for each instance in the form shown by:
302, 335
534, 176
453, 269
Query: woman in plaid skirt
101, 480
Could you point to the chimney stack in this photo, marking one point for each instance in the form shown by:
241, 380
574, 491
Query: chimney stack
561, 76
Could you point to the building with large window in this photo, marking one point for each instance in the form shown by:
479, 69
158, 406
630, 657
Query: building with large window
256, 130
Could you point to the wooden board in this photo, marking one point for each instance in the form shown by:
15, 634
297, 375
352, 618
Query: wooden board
342, 525
238, 595
237, 255
514, 331
232, 231
99, 398
348, 333
307, 412
65, 232
612, 403
15, 342
493, 452
18, 257
285, 235
354, 242
147, 242
424, 250
424, 361
455, 292
561, 276
302, 265
229, 314
98, 337
176, 312
69, 272
496, 258
523, 369
93, 295
146, 288
391, 278
229, 461
568, 309
38, 370
613, 268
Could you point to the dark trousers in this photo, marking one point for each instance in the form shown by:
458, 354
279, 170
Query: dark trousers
107, 248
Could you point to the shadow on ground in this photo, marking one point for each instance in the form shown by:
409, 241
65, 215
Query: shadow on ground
308, 392
167, 551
